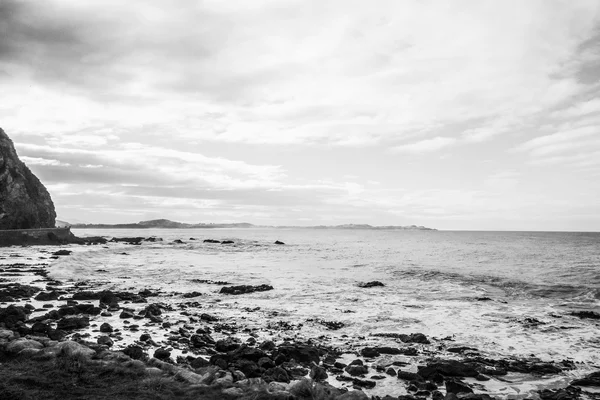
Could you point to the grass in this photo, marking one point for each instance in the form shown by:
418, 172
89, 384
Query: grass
67, 377
75, 377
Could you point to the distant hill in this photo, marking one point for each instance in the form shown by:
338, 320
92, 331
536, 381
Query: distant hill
168, 224
161, 223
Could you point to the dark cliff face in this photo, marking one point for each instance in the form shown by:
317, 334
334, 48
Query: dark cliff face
24, 201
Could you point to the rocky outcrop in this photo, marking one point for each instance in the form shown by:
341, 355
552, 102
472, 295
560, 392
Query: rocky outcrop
24, 201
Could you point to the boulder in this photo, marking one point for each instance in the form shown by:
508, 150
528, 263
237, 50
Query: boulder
71, 348
243, 289
447, 368
592, 379
24, 201
47, 296
72, 323
105, 340
162, 354
370, 284
18, 345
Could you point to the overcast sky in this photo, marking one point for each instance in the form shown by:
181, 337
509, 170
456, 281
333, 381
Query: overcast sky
450, 114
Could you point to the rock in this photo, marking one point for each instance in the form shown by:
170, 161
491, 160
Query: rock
105, 340
17, 345
211, 241
353, 395
47, 296
456, 386
265, 363
276, 374
568, 393
303, 354
415, 338
225, 345
57, 334
106, 327
12, 315
191, 295
6, 334
278, 242
391, 372
227, 242
126, 314
162, 354
71, 348
233, 392
72, 323
243, 289
592, 379
318, 373
356, 370
369, 284
363, 383
408, 376
40, 327
208, 317
135, 352
62, 253
447, 368
202, 340
24, 201
586, 314
199, 362
249, 368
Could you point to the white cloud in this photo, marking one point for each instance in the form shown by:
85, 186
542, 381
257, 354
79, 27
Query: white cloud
425, 146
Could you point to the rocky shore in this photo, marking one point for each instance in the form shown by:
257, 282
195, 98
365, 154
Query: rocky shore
178, 339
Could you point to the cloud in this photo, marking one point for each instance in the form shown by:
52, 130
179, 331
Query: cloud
425, 146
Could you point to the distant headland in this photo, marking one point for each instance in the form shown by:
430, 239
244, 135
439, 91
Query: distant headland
168, 224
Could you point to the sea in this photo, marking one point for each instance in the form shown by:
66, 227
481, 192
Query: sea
505, 293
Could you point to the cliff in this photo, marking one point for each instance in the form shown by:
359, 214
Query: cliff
24, 201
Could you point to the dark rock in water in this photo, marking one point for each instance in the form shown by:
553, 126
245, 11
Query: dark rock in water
266, 363
72, 323
178, 241
126, 314
447, 368
363, 383
456, 386
370, 284
24, 201
14, 291
586, 314
249, 368
62, 253
227, 242
105, 340
129, 240
278, 242
191, 295
412, 338
135, 352
592, 379
370, 352
162, 354
208, 317
408, 376
211, 241
356, 370
202, 340
460, 350
568, 393
243, 289
47, 296
106, 327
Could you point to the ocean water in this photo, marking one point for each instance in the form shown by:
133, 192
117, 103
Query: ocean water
505, 293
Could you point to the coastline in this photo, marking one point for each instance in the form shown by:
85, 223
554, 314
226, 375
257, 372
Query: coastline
184, 324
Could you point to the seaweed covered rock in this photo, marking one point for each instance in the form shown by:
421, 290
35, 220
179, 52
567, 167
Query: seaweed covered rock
24, 201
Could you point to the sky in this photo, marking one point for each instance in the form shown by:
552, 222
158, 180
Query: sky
463, 114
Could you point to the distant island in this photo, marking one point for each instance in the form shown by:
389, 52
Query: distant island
167, 224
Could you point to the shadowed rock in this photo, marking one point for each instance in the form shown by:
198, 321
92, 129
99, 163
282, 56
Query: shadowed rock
24, 201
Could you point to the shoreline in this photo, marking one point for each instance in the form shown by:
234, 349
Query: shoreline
185, 325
